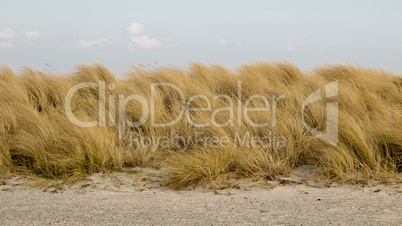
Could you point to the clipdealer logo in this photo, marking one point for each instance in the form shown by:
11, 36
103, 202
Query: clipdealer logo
329, 134
241, 110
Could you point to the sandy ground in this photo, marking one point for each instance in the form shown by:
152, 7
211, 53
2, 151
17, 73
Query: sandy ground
137, 197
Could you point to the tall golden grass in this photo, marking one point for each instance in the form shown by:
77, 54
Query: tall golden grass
37, 137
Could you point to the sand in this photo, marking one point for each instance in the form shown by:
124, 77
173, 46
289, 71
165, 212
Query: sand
142, 198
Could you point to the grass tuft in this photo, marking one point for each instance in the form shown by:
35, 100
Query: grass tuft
37, 137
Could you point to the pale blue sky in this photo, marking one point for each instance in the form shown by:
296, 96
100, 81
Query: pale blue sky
65, 34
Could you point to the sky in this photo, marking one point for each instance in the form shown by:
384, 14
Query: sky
58, 36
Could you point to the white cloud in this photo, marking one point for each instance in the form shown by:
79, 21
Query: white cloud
173, 44
135, 28
239, 45
84, 44
4, 45
222, 42
144, 42
33, 35
298, 47
7, 33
